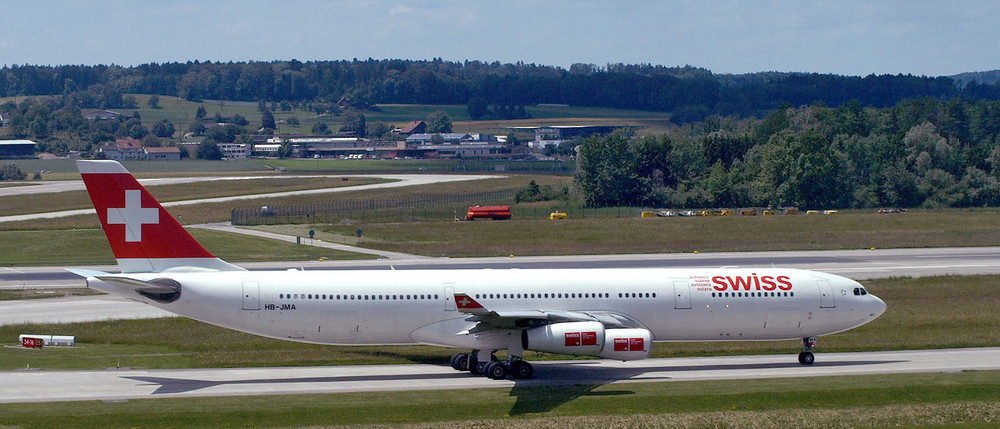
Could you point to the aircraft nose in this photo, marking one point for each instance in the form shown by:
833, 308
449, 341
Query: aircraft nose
878, 306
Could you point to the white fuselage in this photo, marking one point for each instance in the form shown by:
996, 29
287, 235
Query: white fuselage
417, 306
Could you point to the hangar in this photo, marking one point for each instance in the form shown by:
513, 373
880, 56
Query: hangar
17, 149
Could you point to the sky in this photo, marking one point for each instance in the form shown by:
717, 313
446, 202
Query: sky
847, 37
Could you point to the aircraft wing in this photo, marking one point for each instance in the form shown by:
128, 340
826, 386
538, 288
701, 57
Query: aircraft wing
529, 318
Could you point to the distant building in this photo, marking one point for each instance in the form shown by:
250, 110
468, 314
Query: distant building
169, 153
414, 127
235, 150
124, 149
17, 149
101, 115
132, 149
451, 138
553, 135
485, 150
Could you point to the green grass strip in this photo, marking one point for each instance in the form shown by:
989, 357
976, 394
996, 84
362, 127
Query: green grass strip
913, 399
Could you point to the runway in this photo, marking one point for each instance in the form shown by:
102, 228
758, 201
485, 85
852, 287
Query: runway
860, 264
124, 384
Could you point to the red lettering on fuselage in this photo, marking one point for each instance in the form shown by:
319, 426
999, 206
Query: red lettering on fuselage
751, 282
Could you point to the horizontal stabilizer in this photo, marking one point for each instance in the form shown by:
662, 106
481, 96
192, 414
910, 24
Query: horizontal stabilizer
162, 290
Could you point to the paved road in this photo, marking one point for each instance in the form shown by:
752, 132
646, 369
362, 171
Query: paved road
75, 309
857, 264
47, 386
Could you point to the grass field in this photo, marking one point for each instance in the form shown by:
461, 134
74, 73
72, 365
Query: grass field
13, 294
220, 212
601, 233
945, 311
912, 400
90, 247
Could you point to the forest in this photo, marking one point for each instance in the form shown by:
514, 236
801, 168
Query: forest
924, 152
690, 93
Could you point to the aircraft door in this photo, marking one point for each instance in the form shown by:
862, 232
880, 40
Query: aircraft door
825, 294
682, 295
449, 298
251, 296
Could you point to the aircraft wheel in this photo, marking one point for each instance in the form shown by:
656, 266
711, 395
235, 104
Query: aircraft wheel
496, 370
521, 370
806, 358
476, 367
460, 362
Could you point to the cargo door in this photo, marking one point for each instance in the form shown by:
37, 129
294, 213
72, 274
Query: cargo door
251, 296
825, 294
682, 295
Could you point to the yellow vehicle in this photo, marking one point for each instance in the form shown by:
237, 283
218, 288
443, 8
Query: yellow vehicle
556, 215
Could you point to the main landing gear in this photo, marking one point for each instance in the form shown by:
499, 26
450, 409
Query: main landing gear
806, 356
492, 367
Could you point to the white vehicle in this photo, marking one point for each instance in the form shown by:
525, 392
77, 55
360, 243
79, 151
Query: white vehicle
608, 313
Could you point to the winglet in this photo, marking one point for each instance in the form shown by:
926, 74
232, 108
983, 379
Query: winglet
144, 237
466, 304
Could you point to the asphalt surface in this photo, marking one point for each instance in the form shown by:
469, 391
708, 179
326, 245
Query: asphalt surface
123, 384
857, 264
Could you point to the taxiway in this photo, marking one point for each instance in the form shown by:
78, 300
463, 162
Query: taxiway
123, 384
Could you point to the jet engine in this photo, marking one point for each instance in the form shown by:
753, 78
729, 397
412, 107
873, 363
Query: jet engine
589, 339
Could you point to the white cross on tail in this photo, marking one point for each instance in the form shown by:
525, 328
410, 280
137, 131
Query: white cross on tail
133, 215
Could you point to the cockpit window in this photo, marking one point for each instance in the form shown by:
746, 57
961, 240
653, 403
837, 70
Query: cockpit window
858, 291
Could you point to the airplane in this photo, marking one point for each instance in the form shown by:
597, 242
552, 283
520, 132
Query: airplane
606, 313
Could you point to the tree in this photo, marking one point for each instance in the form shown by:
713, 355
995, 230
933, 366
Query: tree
197, 128
267, 120
438, 122
209, 150
608, 175
39, 128
320, 128
240, 120
11, 172
163, 129
201, 113
286, 148
477, 108
129, 102
377, 130
355, 121
154, 101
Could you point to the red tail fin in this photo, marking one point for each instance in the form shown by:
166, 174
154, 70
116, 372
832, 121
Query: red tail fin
143, 235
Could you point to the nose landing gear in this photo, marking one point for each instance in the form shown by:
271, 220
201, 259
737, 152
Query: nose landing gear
806, 356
